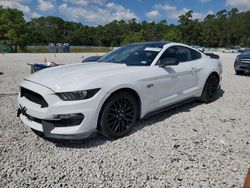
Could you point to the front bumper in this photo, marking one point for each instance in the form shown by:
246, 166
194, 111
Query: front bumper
242, 66
45, 119
49, 130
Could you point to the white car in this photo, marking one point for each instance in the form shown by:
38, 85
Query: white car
109, 96
230, 50
200, 48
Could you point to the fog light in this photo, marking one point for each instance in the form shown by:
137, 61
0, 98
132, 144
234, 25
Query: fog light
70, 116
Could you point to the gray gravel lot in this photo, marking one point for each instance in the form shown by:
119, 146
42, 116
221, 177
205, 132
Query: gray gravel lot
196, 145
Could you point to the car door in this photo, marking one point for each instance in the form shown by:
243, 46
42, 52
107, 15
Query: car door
176, 82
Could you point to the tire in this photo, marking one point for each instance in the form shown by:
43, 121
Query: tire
118, 115
239, 72
210, 89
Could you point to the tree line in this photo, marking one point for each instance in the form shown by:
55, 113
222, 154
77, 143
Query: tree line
225, 28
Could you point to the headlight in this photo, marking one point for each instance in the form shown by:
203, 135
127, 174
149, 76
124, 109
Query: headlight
77, 95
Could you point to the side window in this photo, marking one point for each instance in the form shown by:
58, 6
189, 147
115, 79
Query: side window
195, 55
182, 54
168, 54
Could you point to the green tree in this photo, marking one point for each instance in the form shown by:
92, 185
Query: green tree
133, 37
210, 34
47, 29
225, 28
186, 27
13, 28
154, 31
173, 34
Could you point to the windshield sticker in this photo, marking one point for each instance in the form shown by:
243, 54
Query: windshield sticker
153, 49
143, 62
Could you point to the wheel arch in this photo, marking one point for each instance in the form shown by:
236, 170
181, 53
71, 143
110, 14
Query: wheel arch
214, 73
210, 74
118, 90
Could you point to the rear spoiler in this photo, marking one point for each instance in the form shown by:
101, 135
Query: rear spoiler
212, 55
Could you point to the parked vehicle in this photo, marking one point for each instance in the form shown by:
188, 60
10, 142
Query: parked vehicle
109, 96
241, 50
230, 50
37, 67
200, 48
242, 63
246, 50
91, 59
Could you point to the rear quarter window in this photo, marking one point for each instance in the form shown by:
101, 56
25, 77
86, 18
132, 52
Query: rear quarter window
195, 55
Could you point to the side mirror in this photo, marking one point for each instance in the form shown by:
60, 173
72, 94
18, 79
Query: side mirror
167, 62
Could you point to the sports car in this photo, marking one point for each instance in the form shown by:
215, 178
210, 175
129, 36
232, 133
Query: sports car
110, 95
242, 63
230, 50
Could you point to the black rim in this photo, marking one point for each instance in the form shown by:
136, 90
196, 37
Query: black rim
212, 87
121, 115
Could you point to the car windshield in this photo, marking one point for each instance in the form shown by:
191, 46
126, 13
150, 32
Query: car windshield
133, 55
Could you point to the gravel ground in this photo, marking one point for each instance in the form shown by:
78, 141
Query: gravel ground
196, 145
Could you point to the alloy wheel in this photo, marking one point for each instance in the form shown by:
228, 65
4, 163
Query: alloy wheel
121, 115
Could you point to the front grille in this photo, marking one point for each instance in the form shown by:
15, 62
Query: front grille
33, 97
245, 60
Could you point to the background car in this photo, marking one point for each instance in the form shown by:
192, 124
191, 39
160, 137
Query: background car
200, 48
246, 50
109, 96
230, 50
242, 63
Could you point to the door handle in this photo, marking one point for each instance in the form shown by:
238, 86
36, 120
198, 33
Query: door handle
193, 69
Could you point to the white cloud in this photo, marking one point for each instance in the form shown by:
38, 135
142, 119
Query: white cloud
119, 12
242, 5
85, 2
210, 12
153, 14
18, 5
35, 15
98, 14
45, 6
172, 12
165, 7
15, 4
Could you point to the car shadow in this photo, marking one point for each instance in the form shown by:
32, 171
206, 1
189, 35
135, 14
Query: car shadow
244, 75
97, 140
1, 73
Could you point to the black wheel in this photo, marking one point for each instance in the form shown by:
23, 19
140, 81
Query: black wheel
239, 72
210, 89
118, 115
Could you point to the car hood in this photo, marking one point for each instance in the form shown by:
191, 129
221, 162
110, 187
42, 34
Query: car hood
72, 77
245, 55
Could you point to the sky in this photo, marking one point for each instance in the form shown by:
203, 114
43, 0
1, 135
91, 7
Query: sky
100, 12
